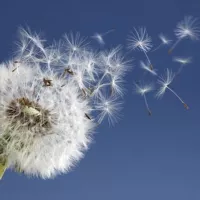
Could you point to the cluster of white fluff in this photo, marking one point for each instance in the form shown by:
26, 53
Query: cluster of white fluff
52, 98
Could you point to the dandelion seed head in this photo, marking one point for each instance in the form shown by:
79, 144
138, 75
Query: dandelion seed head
37, 121
50, 98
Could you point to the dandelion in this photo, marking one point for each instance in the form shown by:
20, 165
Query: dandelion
142, 89
99, 37
164, 41
146, 67
183, 62
139, 39
47, 128
187, 28
47, 107
164, 82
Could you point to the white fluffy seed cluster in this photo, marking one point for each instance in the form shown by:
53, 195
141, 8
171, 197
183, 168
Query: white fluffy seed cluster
51, 99
49, 136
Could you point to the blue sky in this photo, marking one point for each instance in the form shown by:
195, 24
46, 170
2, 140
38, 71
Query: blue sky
142, 157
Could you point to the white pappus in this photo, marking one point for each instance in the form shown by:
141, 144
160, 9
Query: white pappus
47, 108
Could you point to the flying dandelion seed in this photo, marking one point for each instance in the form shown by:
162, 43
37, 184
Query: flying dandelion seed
183, 62
75, 43
99, 37
47, 117
187, 28
164, 82
113, 68
164, 42
139, 39
146, 68
142, 89
108, 107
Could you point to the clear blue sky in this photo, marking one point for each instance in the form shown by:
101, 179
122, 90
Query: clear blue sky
142, 157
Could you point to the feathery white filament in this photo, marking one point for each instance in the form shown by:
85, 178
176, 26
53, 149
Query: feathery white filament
139, 39
46, 96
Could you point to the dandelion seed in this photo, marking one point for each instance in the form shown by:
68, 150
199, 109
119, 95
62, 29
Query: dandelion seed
75, 43
146, 67
99, 37
183, 62
139, 39
187, 28
14, 69
113, 68
16, 65
116, 84
47, 82
87, 116
164, 82
108, 107
69, 71
22, 45
164, 41
142, 90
